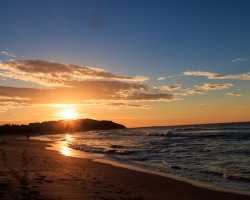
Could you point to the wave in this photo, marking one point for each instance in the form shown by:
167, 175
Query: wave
171, 166
229, 135
167, 133
236, 178
187, 129
212, 128
229, 176
90, 149
183, 132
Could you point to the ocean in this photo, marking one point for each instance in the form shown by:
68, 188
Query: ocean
217, 154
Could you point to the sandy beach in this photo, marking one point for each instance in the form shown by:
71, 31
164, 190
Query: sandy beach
29, 171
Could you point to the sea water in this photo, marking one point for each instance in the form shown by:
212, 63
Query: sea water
218, 154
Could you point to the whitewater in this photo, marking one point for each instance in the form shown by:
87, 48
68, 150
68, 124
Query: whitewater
218, 154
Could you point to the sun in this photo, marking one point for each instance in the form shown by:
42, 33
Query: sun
69, 114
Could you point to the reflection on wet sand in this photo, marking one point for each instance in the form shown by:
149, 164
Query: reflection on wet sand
65, 150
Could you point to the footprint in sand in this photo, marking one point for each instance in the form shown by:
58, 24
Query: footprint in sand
97, 182
5, 188
40, 179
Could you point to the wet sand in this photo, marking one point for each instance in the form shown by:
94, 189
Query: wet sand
29, 171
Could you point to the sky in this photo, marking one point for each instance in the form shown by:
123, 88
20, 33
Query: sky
138, 63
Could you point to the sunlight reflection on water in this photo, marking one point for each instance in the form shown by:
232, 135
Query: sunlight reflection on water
65, 150
68, 137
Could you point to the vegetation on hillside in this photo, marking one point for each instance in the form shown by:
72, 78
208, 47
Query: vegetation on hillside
60, 126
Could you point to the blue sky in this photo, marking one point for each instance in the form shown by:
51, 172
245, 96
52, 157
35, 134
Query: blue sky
132, 38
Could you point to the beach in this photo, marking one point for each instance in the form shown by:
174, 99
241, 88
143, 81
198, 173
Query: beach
30, 171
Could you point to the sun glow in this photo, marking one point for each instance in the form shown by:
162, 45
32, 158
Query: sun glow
69, 114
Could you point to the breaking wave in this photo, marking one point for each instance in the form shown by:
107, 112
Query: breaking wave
218, 154
167, 133
101, 150
229, 176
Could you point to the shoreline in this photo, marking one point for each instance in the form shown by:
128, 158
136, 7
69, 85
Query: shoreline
56, 146
28, 170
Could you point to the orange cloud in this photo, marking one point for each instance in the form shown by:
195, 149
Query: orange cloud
72, 84
53, 74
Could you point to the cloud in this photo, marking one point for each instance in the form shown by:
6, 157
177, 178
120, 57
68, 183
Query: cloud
171, 87
8, 54
151, 97
191, 92
14, 98
233, 94
208, 86
86, 90
121, 105
238, 60
195, 91
72, 84
53, 74
19, 97
199, 73
211, 75
111, 104
7, 105
161, 78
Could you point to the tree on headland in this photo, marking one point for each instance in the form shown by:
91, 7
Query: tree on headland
61, 126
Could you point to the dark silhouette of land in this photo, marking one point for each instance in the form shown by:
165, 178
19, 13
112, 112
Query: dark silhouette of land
61, 126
